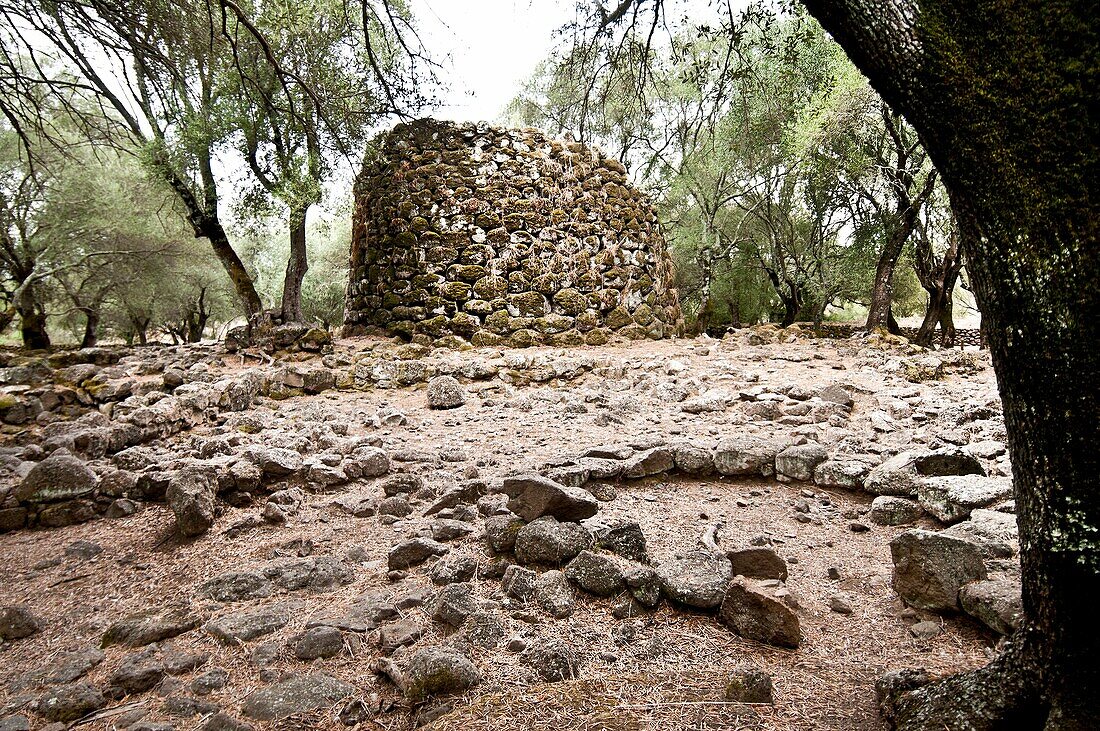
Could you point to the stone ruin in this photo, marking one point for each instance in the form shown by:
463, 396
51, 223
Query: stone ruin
503, 237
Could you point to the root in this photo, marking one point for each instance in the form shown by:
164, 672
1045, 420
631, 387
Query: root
1003, 696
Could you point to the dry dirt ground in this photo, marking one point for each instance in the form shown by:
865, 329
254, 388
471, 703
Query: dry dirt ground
661, 670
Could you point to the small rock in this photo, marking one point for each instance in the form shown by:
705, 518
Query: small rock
757, 563
533, 496
888, 510
553, 661
212, 680
595, 573
996, 603
454, 604
840, 604
317, 642
519, 582
66, 703
434, 671
926, 630
414, 552
749, 685
17, 621
930, 568
553, 595
237, 627
150, 625
445, 392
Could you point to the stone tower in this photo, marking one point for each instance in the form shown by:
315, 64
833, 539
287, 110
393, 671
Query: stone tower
503, 237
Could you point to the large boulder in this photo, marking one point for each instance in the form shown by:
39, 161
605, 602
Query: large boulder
995, 533
951, 499
930, 568
533, 496
887, 510
696, 578
903, 474
547, 541
754, 614
757, 563
60, 476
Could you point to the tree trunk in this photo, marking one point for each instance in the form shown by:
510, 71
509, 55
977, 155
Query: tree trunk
91, 325
32, 319
882, 292
234, 267
999, 92
296, 267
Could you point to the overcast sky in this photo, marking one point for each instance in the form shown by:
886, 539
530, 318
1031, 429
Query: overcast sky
488, 48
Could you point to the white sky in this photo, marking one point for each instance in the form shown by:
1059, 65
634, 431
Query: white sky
488, 48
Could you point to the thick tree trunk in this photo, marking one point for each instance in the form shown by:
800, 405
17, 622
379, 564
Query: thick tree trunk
999, 93
234, 267
296, 268
32, 320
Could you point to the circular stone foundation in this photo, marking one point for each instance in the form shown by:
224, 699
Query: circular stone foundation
497, 236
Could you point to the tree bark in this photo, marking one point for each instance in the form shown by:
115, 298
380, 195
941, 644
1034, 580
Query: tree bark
296, 267
91, 325
32, 320
998, 93
879, 315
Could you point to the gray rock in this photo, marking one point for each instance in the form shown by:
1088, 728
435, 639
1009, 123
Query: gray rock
150, 625
399, 634
486, 630
749, 685
447, 529
313, 572
236, 627
65, 703
655, 461
995, 603
83, 550
947, 461
414, 552
396, 505
926, 630
799, 461
519, 582
182, 706
951, 499
546, 541
17, 621
746, 456
435, 671
995, 533
296, 694
453, 568
896, 477
235, 586
553, 595
930, 568
887, 510
445, 392
367, 462
533, 496
71, 666
139, 671
752, 613
501, 532
454, 604
841, 473
621, 536
552, 660
402, 484
222, 721
757, 563
60, 476
696, 578
596, 573
276, 462
212, 680
15, 723
190, 495
317, 642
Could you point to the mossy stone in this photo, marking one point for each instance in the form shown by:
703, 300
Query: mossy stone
491, 287
552, 323
619, 318
632, 332
478, 307
467, 272
570, 301
523, 339
643, 315
457, 291
528, 304
568, 338
484, 338
599, 336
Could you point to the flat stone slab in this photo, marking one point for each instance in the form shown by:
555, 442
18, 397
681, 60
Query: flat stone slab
533, 496
249, 624
296, 694
951, 499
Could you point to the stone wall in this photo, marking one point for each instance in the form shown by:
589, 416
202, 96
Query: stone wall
495, 236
